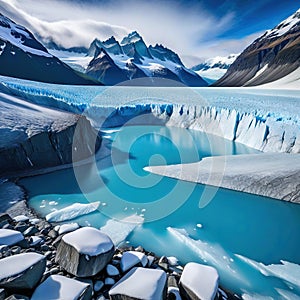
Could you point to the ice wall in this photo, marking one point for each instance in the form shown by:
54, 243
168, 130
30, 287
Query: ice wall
266, 134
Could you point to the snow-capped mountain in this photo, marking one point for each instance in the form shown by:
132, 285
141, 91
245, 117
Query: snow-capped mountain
61, 34
269, 58
114, 62
22, 56
214, 68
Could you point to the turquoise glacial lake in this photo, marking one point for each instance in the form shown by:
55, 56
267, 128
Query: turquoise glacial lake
253, 241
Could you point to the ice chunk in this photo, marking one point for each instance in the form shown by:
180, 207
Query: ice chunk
71, 212
57, 287
289, 272
140, 283
119, 230
199, 281
10, 237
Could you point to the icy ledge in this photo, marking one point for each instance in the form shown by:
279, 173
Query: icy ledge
275, 175
266, 133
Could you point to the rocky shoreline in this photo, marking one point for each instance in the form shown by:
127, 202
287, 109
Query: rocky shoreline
23, 233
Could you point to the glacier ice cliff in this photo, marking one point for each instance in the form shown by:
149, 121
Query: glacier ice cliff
35, 137
266, 134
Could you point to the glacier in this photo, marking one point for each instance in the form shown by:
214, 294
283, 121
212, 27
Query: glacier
254, 117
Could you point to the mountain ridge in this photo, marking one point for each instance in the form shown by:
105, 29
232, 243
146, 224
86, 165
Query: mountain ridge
132, 58
22, 56
272, 56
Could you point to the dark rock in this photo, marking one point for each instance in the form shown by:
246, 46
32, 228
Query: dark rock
17, 297
4, 223
30, 231
54, 270
30, 268
3, 248
43, 225
45, 247
53, 234
140, 249
95, 250
5, 217
2, 294
163, 259
57, 241
173, 289
21, 226
7, 226
16, 249
24, 244
164, 266
48, 254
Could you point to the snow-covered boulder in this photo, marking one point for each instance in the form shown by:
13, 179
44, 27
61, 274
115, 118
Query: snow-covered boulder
21, 271
10, 237
199, 282
84, 252
67, 228
57, 287
142, 284
132, 258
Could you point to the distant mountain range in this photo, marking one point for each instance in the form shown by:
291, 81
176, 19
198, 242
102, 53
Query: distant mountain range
273, 56
214, 68
108, 62
113, 62
22, 56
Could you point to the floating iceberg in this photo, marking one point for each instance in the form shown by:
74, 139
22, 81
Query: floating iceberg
71, 212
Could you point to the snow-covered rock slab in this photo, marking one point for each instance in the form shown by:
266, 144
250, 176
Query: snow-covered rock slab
140, 284
275, 175
21, 271
132, 258
21, 218
10, 237
57, 287
72, 211
199, 282
67, 228
85, 251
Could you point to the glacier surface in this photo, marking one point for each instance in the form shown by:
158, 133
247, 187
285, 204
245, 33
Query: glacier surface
255, 117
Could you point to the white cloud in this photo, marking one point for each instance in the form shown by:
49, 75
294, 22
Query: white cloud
222, 47
188, 30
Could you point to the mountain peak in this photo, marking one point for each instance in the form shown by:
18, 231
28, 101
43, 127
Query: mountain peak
287, 25
111, 40
132, 37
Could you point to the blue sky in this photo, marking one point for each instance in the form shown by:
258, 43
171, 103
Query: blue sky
196, 29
